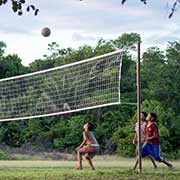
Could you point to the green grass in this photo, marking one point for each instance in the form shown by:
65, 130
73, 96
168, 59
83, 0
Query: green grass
107, 168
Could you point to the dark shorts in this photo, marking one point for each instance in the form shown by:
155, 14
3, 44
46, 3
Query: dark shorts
151, 149
89, 151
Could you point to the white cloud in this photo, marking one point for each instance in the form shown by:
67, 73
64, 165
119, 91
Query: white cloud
74, 23
81, 37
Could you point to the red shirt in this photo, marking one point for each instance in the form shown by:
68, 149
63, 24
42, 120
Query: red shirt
150, 131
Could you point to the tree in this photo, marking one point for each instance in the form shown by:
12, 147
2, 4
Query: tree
160, 74
2, 48
12, 66
18, 6
173, 9
144, 1
127, 40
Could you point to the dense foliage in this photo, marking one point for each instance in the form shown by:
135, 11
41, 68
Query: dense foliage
115, 125
19, 5
173, 8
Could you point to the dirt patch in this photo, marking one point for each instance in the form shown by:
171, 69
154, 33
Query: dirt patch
31, 151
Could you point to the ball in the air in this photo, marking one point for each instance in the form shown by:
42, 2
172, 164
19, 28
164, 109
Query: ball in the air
46, 32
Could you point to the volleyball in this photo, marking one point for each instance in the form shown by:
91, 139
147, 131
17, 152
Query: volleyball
45, 32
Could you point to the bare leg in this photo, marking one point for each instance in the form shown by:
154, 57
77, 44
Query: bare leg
167, 163
150, 157
79, 162
136, 163
153, 161
90, 163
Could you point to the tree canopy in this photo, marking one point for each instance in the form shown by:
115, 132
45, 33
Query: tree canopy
19, 5
160, 76
173, 8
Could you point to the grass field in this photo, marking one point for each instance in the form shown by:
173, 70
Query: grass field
107, 168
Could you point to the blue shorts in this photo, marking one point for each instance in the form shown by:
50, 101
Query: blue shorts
151, 149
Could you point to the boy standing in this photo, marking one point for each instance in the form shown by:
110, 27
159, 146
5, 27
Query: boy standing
89, 147
143, 116
152, 145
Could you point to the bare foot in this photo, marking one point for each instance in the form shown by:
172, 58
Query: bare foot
78, 168
170, 166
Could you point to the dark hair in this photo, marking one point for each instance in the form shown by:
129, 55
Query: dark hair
91, 126
145, 114
154, 116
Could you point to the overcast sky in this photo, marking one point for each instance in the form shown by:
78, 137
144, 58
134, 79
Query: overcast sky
74, 23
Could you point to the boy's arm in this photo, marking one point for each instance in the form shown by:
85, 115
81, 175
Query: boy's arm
152, 137
135, 135
83, 142
135, 139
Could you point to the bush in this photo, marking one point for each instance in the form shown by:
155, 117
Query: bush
123, 137
4, 155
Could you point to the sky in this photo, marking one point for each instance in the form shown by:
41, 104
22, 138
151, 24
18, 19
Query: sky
74, 23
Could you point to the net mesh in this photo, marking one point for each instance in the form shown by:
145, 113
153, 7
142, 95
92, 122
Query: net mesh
78, 86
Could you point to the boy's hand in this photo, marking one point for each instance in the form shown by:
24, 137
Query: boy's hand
134, 141
78, 148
